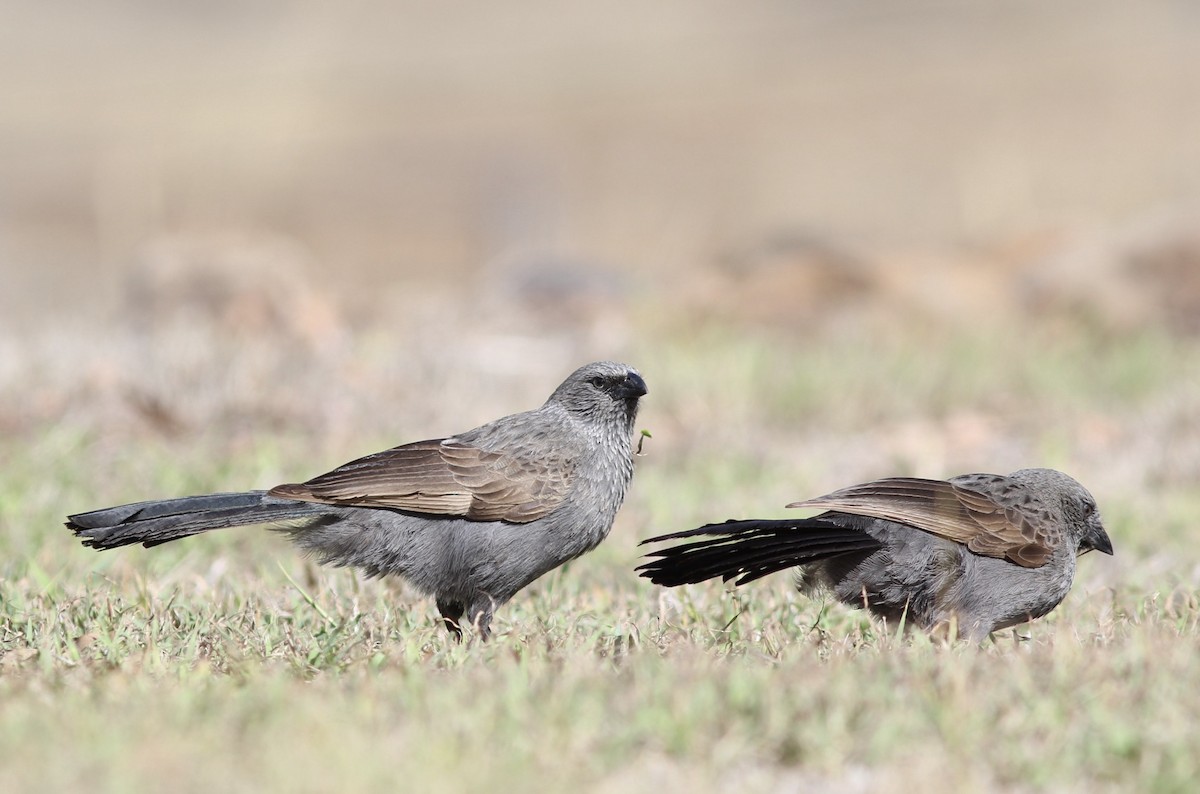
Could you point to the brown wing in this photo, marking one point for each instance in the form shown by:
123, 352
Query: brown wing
444, 477
991, 515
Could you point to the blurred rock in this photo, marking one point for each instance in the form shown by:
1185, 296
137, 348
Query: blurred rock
578, 306
956, 287
807, 282
1167, 266
563, 292
242, 283
1140, 275
787, 279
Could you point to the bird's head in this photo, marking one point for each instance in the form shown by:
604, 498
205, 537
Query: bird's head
602, 389
1093, 537
1078, 507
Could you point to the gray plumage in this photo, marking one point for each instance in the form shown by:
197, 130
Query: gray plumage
981, 551
469, 519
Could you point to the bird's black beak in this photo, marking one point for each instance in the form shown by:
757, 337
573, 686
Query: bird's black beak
1096, 539
634, 386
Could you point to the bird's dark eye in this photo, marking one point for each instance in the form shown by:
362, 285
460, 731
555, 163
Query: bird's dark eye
597, 381
1088, 508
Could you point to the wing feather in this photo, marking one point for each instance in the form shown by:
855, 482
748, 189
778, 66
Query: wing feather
991, 515
448, 477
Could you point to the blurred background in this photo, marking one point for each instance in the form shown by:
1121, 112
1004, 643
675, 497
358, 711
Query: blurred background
367, 149
833, 227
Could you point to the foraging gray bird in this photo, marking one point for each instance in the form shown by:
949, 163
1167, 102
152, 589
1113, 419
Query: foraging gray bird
980, 551
469, 519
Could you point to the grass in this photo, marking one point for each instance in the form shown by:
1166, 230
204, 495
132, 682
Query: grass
230, 663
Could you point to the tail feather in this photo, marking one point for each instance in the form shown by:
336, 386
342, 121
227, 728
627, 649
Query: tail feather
748, 550
161, 521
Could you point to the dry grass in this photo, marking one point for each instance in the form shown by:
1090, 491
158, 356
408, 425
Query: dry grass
229, 663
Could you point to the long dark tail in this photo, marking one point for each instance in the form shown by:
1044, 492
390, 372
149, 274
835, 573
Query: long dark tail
153, 523
750, 549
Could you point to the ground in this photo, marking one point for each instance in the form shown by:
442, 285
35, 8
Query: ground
229, 662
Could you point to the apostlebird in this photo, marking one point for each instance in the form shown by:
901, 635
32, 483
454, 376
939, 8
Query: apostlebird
470, 519
980, 552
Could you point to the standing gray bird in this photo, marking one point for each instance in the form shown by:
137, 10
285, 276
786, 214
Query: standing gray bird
980, 551
469, 519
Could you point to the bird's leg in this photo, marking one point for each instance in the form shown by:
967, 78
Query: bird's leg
479, 615
452, 612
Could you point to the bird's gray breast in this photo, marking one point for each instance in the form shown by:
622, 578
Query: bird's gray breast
586, 516
999, 593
